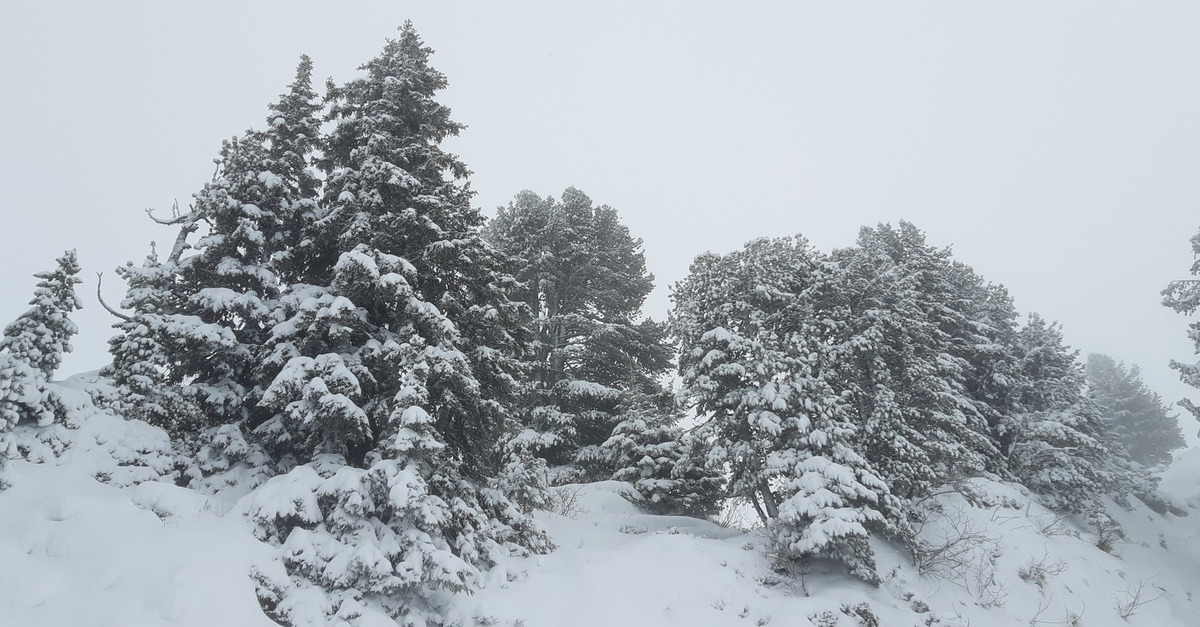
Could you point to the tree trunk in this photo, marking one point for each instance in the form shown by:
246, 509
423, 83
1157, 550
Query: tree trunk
768, 499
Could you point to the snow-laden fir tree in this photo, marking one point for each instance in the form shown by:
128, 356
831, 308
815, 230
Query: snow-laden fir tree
584, 280
664, 464
1183, 296
756, 366
1056, 441
42, 335
1132, 412
982, 322
20, 397
140, 353
904, 359
31, 350
193, 353
399, 346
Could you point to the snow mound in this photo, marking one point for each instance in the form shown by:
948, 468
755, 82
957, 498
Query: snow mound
77, 552
1181, 481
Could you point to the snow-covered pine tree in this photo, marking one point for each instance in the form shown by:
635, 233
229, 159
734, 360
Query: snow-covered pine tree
756, 364
1183, 296
1131, 412
1057, 443
31, 350
192, 354
584, 281
22, 392
401, 344
904, 361
979, 322
42, 335
140, 356
665, 465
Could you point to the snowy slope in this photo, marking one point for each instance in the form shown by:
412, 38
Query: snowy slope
615, 566
74, 551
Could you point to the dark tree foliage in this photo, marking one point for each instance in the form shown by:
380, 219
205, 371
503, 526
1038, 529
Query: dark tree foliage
908, 338
141, 358
1131, 412
584, 280
664, 464
1057, 441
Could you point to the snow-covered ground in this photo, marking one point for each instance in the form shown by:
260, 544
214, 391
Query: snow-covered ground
75, 551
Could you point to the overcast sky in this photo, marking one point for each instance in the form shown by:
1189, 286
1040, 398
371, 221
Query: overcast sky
1054, 145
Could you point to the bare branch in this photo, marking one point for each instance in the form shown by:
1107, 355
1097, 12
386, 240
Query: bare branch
1134, 597
174, 220
176, 216
99, 281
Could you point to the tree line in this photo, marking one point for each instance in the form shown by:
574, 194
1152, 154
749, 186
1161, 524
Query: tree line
404, 380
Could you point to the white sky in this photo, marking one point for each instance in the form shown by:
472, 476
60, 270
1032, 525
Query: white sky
1055, 145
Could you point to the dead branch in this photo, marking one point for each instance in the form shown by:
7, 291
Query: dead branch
176, 216
99, 281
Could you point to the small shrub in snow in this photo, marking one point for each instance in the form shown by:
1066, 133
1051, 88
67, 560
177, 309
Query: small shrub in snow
862, 611
1108, 531
953, 547
1037, 571
824, 619
1134, 597
564, 501
1052, 524
1069, 618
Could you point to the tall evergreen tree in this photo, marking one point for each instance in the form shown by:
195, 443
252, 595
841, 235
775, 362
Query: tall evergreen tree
906, 346
400, 347
1183, 296
194, 352
1131, 412
584, 280
353, 324
1057, 443
757, 366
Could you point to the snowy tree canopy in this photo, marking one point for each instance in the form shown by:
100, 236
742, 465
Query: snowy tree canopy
331, 304
758, 367
584, 280
1136, 415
